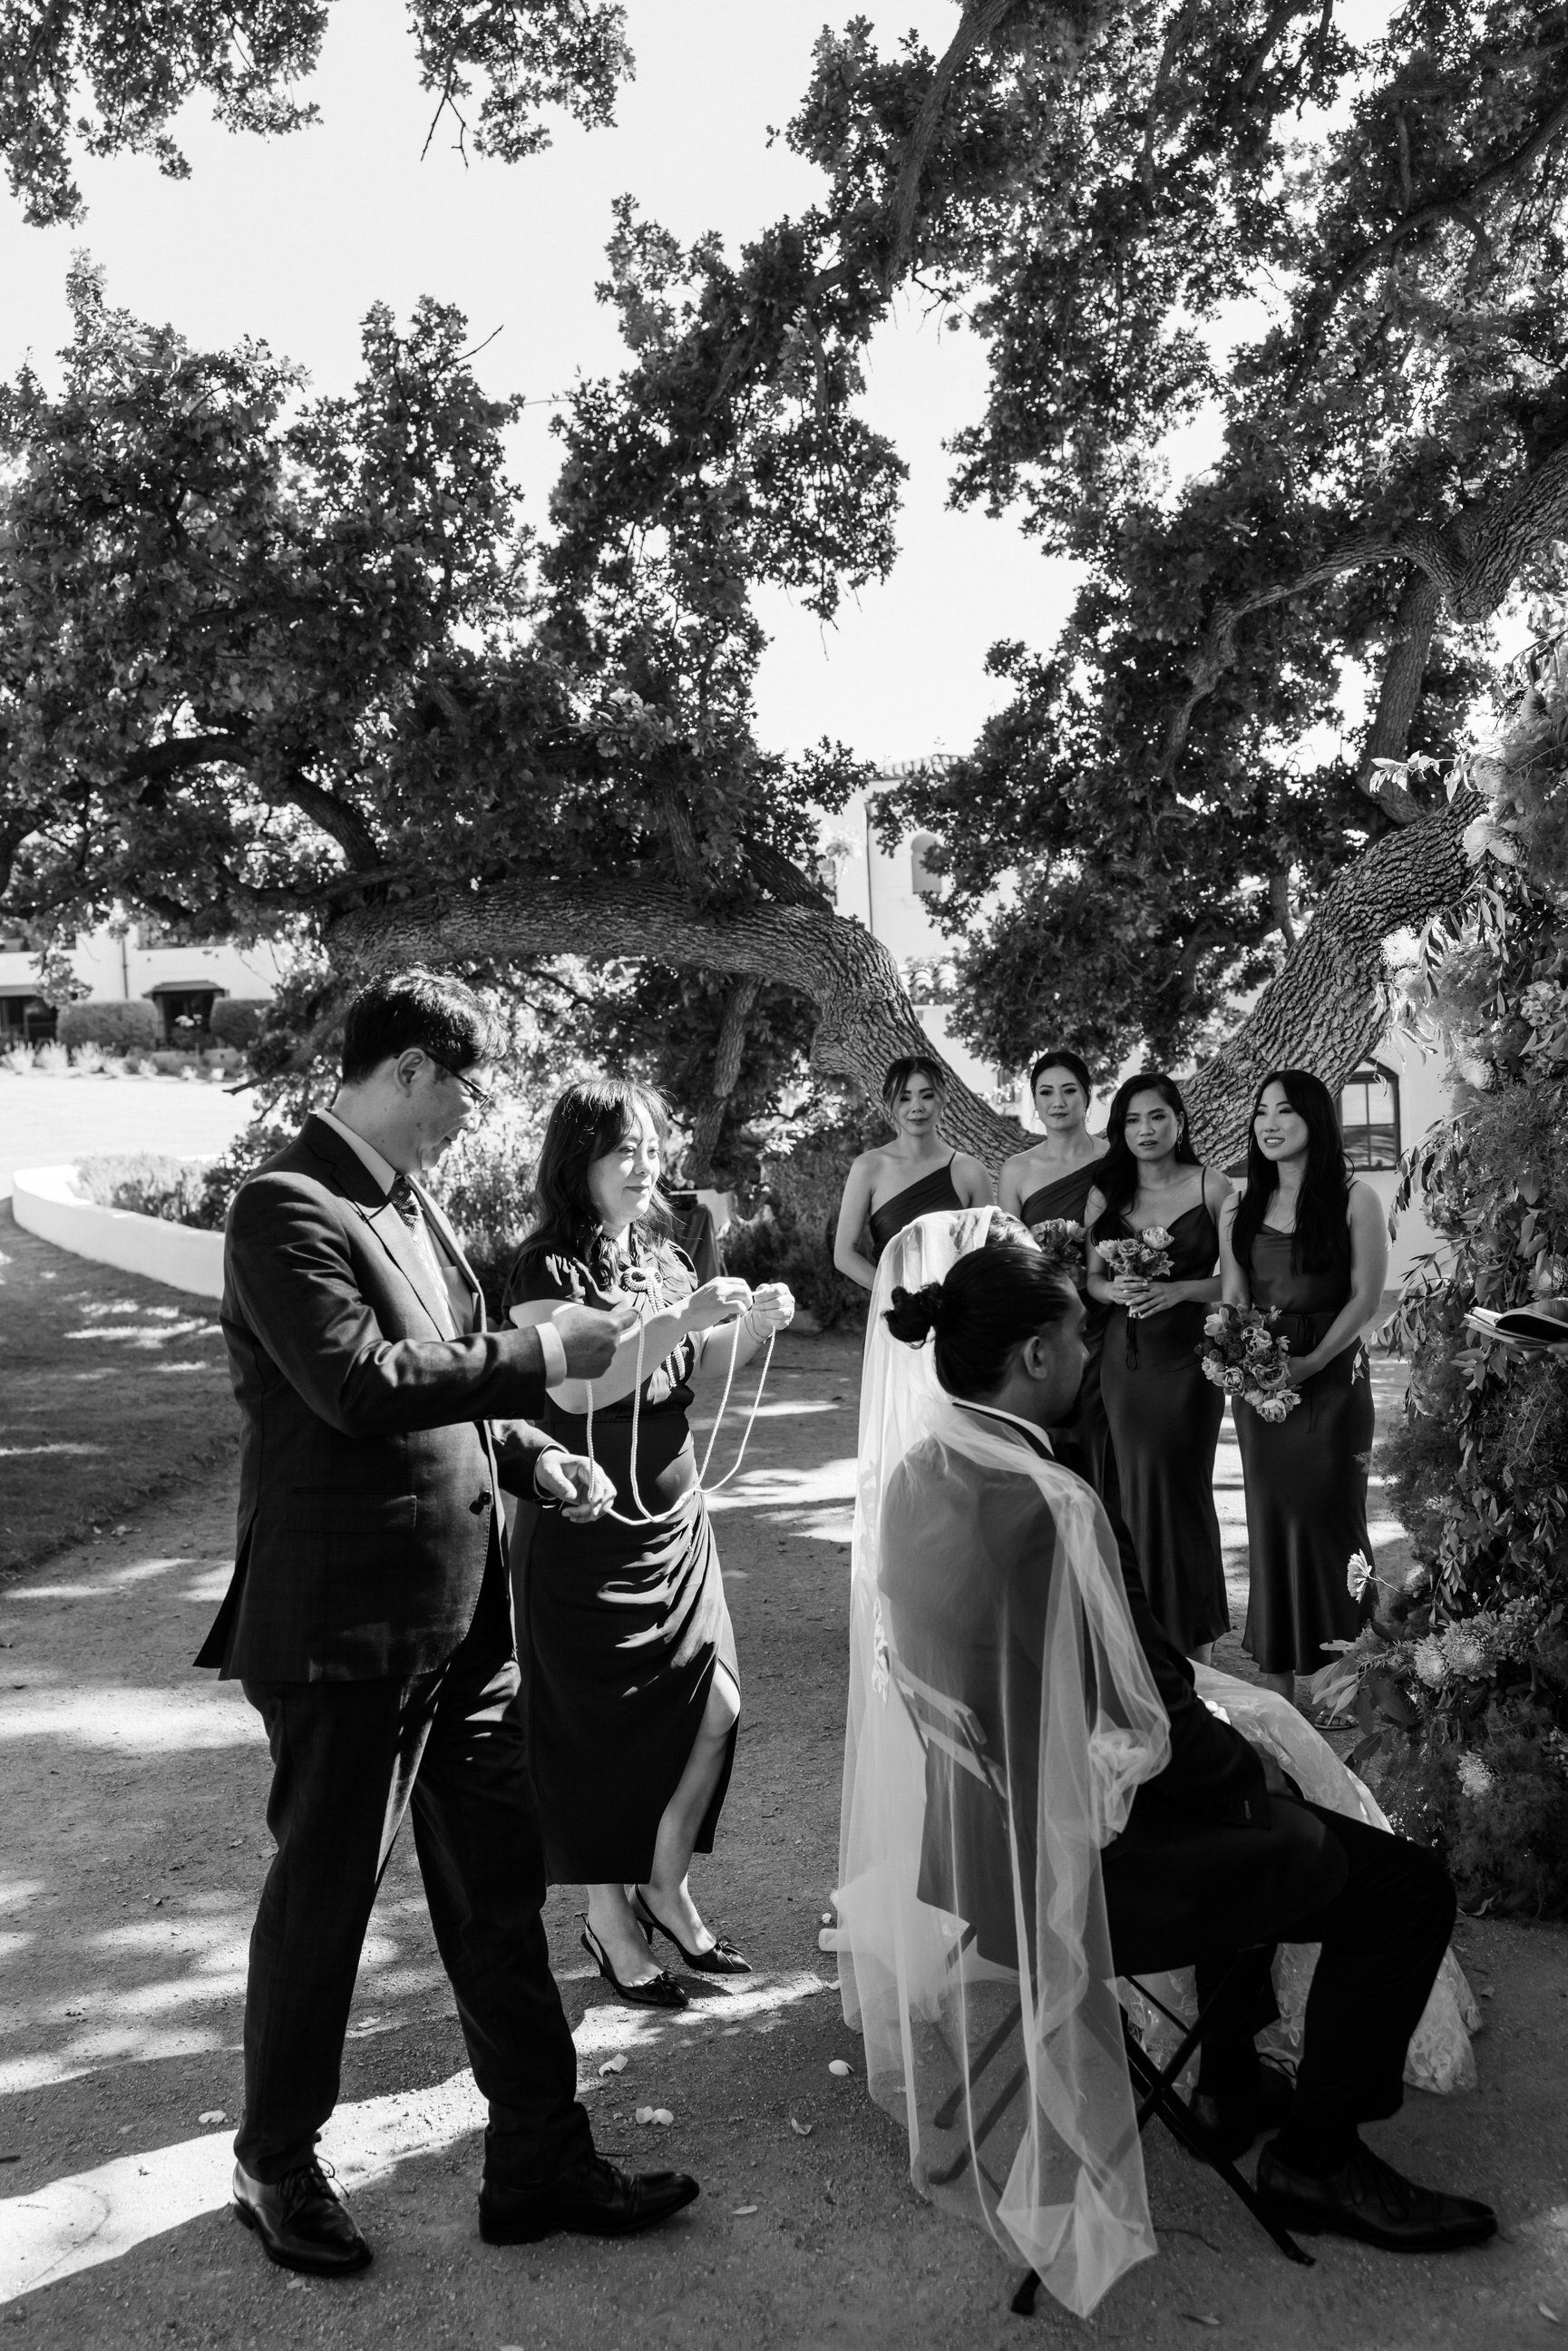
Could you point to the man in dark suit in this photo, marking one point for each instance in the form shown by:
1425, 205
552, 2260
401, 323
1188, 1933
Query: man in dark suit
1221, 1854
369, 1621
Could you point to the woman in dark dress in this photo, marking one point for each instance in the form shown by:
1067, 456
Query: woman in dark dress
1053, 1179
1307, 1245
632, 1688
913, 1176
1165, 1416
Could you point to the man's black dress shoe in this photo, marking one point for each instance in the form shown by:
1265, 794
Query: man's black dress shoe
593, 2197
1231, 2124
1369, 2199
302, 2222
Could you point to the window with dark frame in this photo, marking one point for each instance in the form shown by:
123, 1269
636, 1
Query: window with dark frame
1369, 1118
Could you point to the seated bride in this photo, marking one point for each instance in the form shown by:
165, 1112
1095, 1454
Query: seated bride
1072, 1811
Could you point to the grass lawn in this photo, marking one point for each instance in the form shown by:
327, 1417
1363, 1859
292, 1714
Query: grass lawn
112, 1389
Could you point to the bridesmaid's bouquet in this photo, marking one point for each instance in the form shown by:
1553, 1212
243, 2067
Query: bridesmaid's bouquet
1060, 1244
1146, 1255
1241, 1355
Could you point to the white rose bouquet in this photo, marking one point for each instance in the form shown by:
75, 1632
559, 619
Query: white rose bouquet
1240, 1353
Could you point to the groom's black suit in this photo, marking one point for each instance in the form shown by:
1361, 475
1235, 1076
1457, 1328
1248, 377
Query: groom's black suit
370, 1622
1211, 1862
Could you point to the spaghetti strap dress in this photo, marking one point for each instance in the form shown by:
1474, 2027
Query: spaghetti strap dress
1067, 1197
1305, 1476
621, 1628
922, 1199
1164, 1422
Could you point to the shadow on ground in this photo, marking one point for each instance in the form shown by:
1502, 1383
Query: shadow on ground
134, 1846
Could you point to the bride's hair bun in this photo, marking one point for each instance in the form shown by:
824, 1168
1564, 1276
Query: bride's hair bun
914, 1313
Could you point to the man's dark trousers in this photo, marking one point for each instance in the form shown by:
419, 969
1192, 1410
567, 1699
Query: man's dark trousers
350, 1759
1382, 1909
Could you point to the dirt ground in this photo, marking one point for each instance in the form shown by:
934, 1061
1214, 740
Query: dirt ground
133, 1846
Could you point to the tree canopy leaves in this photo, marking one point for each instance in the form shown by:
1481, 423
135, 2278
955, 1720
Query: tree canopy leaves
115, 73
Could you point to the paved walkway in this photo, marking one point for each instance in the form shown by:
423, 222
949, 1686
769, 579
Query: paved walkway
134, 1846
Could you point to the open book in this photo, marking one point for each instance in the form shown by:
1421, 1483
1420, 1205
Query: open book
1536, 1325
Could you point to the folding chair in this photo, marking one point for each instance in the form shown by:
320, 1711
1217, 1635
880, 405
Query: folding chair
953, 1730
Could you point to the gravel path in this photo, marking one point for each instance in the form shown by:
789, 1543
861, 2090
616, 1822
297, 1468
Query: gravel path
134, 1843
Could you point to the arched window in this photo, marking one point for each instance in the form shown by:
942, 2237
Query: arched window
1369, 1114
925, 883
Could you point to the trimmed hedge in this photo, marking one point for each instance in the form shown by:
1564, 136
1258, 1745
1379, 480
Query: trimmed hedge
123, 1027
237, 1019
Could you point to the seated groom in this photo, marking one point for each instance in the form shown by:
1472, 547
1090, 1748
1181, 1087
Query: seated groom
370, 1623
1219, 1853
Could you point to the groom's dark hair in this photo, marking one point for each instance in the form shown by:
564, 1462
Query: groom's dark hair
427, 1009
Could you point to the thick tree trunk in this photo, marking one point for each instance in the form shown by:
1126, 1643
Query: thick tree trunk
709, 1124
865, 1019
1327, 1008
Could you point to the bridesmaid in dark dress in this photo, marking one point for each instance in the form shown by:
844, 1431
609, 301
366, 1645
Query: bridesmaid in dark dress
633, 1689
1053, 1179
1305, 1242
1165, 1416
913, 1176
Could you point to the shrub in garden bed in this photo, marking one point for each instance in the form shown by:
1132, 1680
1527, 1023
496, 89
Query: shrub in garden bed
236, 1020
148, 1182
790, 1237
120, 1027
1461, 1683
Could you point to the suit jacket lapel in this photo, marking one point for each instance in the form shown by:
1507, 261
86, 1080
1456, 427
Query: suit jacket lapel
354, 1179
441, 1224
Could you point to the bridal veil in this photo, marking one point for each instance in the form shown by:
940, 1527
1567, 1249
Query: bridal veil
989, 1617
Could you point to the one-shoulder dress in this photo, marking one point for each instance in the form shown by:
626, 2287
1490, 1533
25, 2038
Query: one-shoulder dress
1305, 1476
1164, 1422
621, 1627
922, 1199
1067, 1197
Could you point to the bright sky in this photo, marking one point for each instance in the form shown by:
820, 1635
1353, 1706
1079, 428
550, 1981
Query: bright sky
291, 239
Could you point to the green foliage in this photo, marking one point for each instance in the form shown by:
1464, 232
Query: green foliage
238, 1019
1462, 1688
118, 79
790, 1237
149, 1184
121, 1026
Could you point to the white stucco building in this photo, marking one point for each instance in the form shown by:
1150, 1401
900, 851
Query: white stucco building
119, 964
1388, 1104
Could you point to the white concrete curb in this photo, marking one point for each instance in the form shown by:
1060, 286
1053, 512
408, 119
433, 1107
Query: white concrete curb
50, 1202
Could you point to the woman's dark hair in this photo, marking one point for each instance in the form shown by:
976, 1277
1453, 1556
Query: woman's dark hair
427, 1009
991, 1301
910, 1065
1116, 1179
1062, 1057
1320, 1242
585, 1121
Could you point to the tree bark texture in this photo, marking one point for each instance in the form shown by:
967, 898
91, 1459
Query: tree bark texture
1325, 1010
708, 1123
864, 1016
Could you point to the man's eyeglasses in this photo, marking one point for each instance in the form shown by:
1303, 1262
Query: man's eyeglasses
485, 1101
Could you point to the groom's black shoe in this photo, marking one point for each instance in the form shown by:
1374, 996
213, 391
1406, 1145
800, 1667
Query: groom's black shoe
302, 2222
1366, 2198
1230, 2125
593, 2197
